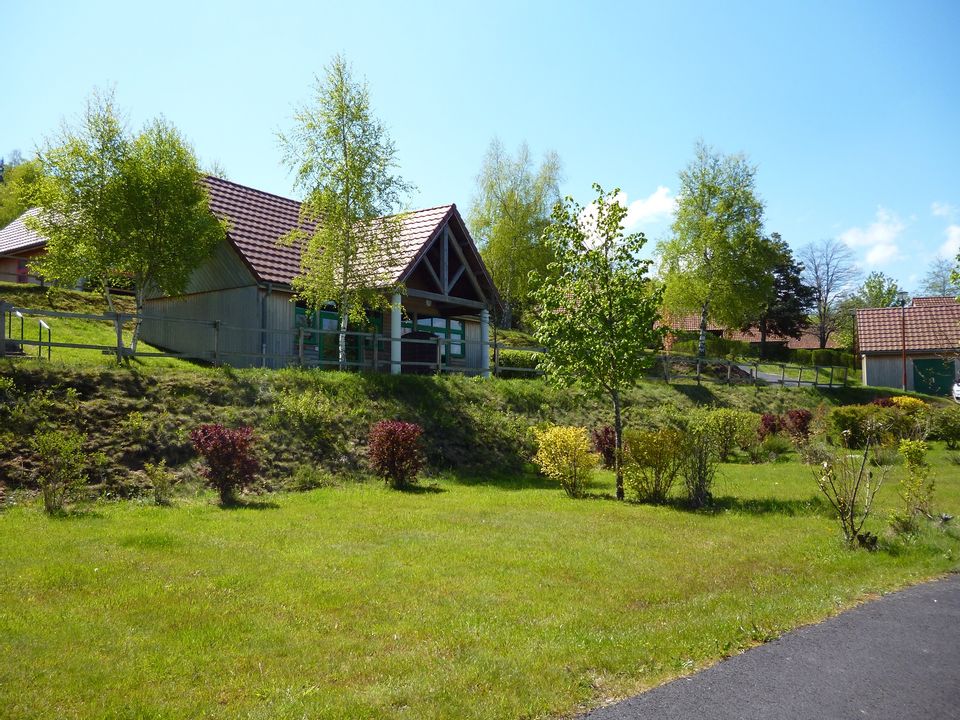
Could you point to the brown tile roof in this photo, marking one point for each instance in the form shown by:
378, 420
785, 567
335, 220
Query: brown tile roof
929, 327
257, 219
17, 237
935, 300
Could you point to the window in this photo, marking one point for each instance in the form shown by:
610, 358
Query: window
326, 345
442, 327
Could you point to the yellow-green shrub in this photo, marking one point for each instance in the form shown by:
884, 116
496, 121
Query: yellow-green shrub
909, 404
652, 459
563, 454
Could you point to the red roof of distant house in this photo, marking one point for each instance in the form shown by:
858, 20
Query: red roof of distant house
809, 340
931, 324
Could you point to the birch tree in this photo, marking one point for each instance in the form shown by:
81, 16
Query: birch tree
596, 308
122, 209
344, 162
717, 263
509, 213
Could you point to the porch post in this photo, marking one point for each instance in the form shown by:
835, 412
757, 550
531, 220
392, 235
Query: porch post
485, 343
395, 334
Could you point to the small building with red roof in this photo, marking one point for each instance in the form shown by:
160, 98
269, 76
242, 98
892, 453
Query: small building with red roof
921, 340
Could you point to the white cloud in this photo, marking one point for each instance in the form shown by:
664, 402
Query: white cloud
878, 239
942, 209
951, 246
657, 206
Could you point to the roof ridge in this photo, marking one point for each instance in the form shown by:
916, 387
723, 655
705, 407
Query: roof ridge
253, 189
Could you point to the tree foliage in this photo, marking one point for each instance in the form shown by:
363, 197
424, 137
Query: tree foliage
717, 263
596, 309
876, 291
16, 177
344, 162
509, 213
125, 209
829, 270
785, 311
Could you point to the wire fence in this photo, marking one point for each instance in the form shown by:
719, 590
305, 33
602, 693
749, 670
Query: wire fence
32, 332
27, 333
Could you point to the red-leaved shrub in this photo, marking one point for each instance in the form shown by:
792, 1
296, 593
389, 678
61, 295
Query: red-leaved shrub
605, 442
228, 453
883, 402
394, 451
770, 424
797, 424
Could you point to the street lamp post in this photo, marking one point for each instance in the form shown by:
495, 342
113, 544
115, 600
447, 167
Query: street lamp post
902, 298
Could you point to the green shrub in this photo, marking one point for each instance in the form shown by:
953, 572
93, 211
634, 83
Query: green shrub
310, 477
853, 426
161, 479
916, 486
945, 425
652, 459
526, 360
773, 448
563, 454
60, 461
802, 357
732, 429
700, 460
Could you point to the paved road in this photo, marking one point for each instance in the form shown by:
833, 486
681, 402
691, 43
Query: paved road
897, 658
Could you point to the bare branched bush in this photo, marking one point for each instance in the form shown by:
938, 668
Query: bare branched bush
850, 485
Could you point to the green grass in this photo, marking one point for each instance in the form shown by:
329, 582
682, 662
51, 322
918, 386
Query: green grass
474, 598
75, 330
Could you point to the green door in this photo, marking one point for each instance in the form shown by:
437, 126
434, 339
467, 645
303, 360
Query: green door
933, 377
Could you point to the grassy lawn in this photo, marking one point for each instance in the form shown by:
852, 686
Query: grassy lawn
472, 598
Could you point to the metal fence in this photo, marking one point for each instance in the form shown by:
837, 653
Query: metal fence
32, 332
727, 371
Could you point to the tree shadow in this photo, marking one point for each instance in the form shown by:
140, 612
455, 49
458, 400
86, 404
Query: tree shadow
521, 480
814, 505
250, 505
699, 394
421, 489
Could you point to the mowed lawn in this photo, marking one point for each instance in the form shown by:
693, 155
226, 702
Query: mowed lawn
471, 599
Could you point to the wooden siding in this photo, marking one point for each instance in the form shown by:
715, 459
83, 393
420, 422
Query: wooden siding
887, 370
224, 270
237, 308
471, 333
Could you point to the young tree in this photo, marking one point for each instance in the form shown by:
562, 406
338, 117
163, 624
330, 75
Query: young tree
596, 308
16, 177
829, 270
508, 216
938, 280
116, 208
785, 311
717, 263
344, 161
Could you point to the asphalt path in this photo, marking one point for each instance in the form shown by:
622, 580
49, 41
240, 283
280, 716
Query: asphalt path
895, 658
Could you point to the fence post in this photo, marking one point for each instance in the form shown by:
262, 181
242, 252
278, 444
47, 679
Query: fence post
439, 355
118, 324
831, 377
729, 370
800, 376
3, 329
376, 349
816, 375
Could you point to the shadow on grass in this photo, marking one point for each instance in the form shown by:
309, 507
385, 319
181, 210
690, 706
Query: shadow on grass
520, 480
250, 505
699, 394
814, 505
421, 489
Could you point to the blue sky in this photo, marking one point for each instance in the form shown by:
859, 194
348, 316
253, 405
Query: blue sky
850, 110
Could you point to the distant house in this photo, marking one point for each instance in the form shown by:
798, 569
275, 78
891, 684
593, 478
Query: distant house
19, 246
927, 332
687, 324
